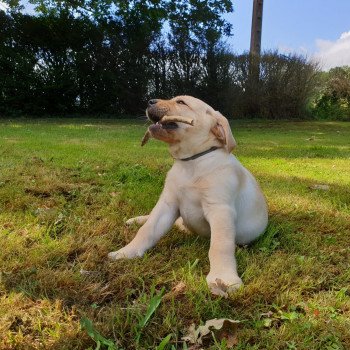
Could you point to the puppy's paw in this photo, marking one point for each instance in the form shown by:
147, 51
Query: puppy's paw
138, 220
130, 222
124, 253
223, 286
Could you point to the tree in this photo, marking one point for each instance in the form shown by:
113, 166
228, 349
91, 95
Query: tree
99, 56
333, 99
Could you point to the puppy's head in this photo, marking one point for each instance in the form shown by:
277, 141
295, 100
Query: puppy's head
195, 126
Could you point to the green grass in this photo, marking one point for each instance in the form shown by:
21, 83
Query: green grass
66, 188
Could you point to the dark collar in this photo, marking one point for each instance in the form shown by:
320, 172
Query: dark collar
200, 154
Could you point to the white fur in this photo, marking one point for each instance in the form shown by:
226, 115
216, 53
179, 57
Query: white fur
213, 195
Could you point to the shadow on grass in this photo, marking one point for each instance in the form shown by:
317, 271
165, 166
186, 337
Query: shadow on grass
304, 241
103, 282
293, 248
58, 276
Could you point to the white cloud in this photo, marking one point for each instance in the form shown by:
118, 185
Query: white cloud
333, 53
328, 53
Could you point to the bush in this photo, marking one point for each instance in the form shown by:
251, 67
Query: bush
333, 99
279, 88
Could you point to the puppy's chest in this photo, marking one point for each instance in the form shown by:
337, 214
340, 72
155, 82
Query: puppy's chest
190, 200
189, 197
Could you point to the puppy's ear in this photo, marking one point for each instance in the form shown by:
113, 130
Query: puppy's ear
223, 133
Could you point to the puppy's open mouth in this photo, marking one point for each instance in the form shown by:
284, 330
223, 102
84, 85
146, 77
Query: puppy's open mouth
165, 123
166, 126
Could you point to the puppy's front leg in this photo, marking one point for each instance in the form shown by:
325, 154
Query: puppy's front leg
223, 268
158, 223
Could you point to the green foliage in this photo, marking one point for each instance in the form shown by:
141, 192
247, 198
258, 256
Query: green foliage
95, 57
333, 99
280, 88
111, 56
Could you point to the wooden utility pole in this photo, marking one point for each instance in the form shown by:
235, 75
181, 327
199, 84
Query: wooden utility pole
255, 39
253, 82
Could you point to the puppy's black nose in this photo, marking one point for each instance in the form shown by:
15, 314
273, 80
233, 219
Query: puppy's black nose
152, 102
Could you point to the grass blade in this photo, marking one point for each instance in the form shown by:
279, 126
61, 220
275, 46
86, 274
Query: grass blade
96, 336
152, 307
164, 342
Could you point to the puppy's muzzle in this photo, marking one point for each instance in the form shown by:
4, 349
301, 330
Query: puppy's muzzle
155, 112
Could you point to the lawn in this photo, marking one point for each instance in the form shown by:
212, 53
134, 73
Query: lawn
66, 189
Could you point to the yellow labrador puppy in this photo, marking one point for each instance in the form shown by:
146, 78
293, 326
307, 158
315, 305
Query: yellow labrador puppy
207, 190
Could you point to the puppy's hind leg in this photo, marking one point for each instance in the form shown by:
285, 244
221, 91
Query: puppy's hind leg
138, 220
179, 224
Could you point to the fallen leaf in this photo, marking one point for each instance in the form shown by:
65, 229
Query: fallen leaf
219, 288
222, 289
179, 289
217, 329
191, 335
195, 347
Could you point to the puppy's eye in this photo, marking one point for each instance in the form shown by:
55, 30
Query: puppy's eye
180, 102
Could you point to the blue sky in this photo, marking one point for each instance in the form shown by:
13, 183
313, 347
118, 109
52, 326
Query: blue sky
319, 29
311, 27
